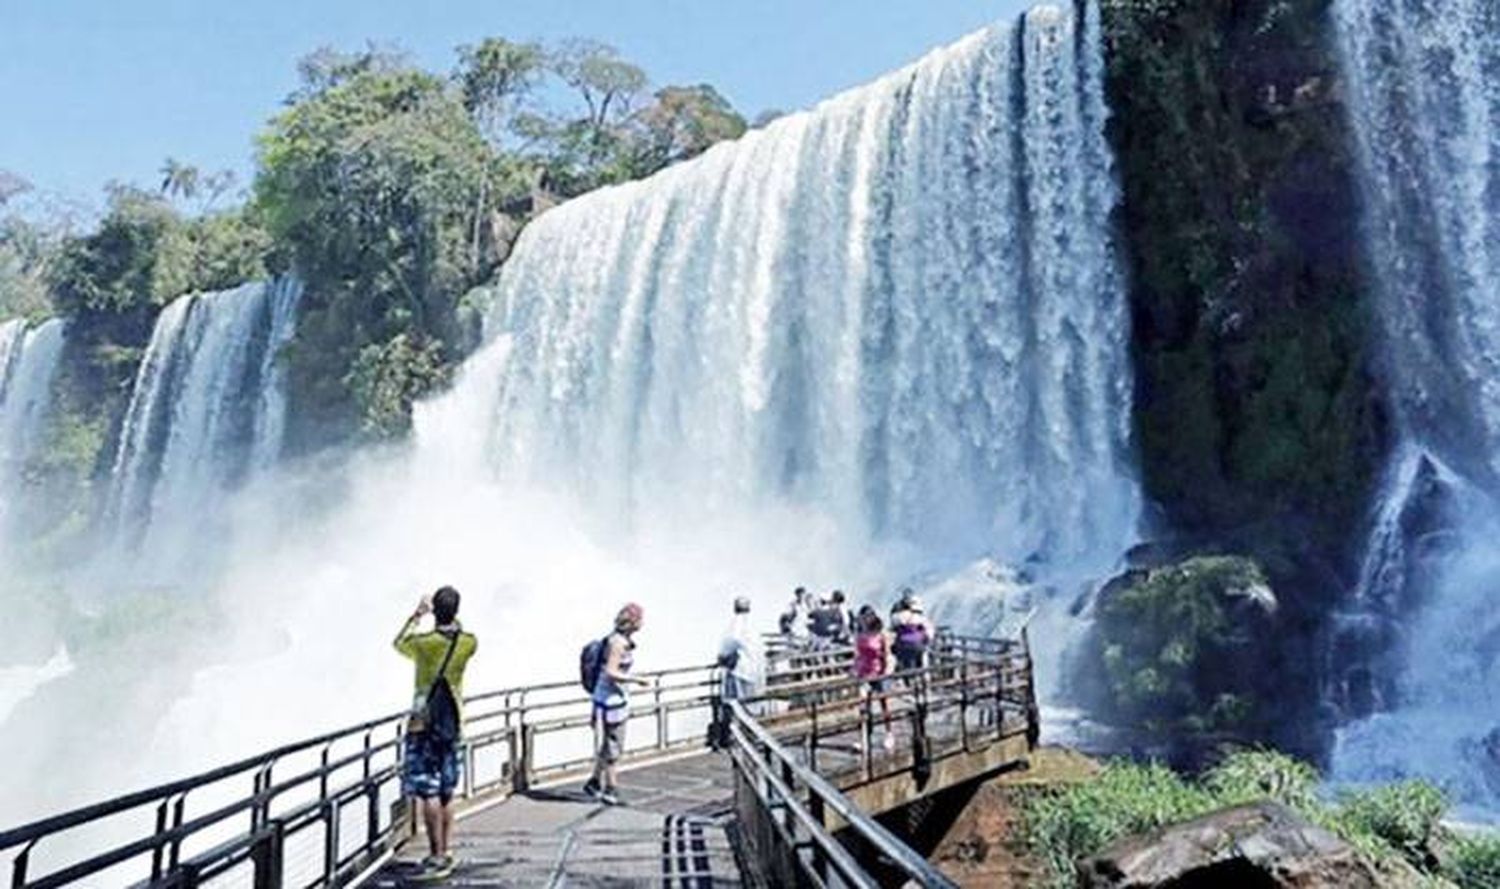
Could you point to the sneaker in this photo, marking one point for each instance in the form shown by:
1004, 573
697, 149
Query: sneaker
591, 789
434, 868
610, 798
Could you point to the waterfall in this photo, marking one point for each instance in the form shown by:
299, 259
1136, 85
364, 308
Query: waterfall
1424, 90
902, 308
28, 362
206, 411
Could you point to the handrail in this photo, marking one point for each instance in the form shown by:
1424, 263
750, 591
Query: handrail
828, 798
169, 834
355, 766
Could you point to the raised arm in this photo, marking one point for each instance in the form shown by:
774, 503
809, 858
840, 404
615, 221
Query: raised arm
403, 641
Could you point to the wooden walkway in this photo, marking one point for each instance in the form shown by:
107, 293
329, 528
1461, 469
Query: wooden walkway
676, 827
671, 832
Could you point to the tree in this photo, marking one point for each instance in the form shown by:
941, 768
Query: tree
373, 179
495, 76
12, 186
179, 180
608, 84
144, 254
683, 122
325, 68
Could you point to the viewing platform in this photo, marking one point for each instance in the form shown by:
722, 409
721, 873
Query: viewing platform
806, 790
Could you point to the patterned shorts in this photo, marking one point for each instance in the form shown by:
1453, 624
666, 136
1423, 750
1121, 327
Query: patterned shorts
430, 769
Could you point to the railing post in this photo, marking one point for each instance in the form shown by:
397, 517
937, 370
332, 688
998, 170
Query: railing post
817, 809
661, 716
175, 847
528, 745
156, 853
266, 856
812, 739
331, 843
18, 867
963, 705
867, 735
513, 758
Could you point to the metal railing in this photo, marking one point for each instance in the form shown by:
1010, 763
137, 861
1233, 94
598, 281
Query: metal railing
318, 812
790, 791
321, 812
784, 807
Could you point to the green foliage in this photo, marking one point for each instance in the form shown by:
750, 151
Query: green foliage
1393, 826
1245, 776
145, 253
494, 76
1473, 862
28, 249
377, 182
1256, 403
387, 377
1079, 820
1405, 817
1168, 640
682, 123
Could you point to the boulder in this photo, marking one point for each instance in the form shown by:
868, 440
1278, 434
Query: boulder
1263, 844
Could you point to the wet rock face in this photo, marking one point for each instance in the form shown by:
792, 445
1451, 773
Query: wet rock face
1261, 844
1181, 653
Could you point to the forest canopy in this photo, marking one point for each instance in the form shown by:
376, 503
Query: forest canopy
390, 190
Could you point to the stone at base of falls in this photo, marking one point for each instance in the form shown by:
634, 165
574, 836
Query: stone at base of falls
1260, 844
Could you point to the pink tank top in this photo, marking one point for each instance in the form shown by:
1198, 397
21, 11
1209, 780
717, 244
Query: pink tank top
869, 655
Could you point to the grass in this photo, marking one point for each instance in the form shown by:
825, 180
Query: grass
1398, 826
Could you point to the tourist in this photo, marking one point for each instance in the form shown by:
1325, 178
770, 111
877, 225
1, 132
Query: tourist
847, 625
739, 655
828, 622
913, 632
794, 621
611, 703
431, 766
873, 663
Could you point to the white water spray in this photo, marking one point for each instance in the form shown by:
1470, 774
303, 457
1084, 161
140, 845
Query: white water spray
28, 363
900, 309
1424, 88
207, 412
881, 336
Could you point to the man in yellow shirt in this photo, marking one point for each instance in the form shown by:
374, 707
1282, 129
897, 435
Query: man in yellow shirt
432, 765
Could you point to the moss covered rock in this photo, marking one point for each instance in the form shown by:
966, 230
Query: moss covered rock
1178, 649
1256, 404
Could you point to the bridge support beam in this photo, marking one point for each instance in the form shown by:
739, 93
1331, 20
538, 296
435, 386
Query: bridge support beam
894, 791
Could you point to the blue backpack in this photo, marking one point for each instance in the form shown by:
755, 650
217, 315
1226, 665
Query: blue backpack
591, 663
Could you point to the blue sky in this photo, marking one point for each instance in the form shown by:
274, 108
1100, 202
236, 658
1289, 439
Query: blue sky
92, 90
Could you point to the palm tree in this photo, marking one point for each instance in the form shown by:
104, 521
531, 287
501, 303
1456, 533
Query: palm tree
179, 180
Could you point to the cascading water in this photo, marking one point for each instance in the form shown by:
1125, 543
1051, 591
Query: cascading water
867, 340
206, 411
28, 362
1424, 89
901, 308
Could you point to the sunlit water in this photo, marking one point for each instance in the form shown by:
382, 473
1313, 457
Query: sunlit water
868, 343
1424, 87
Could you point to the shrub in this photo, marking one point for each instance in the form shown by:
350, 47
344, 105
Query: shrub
1126, 798
1474, 862
1397, 827
1406, 817
1262, 774
1175, 644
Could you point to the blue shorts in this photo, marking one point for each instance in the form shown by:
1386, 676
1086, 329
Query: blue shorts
430, 769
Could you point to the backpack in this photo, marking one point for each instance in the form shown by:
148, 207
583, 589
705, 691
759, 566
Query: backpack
439, 716
826, 622
911, 636
591, 663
